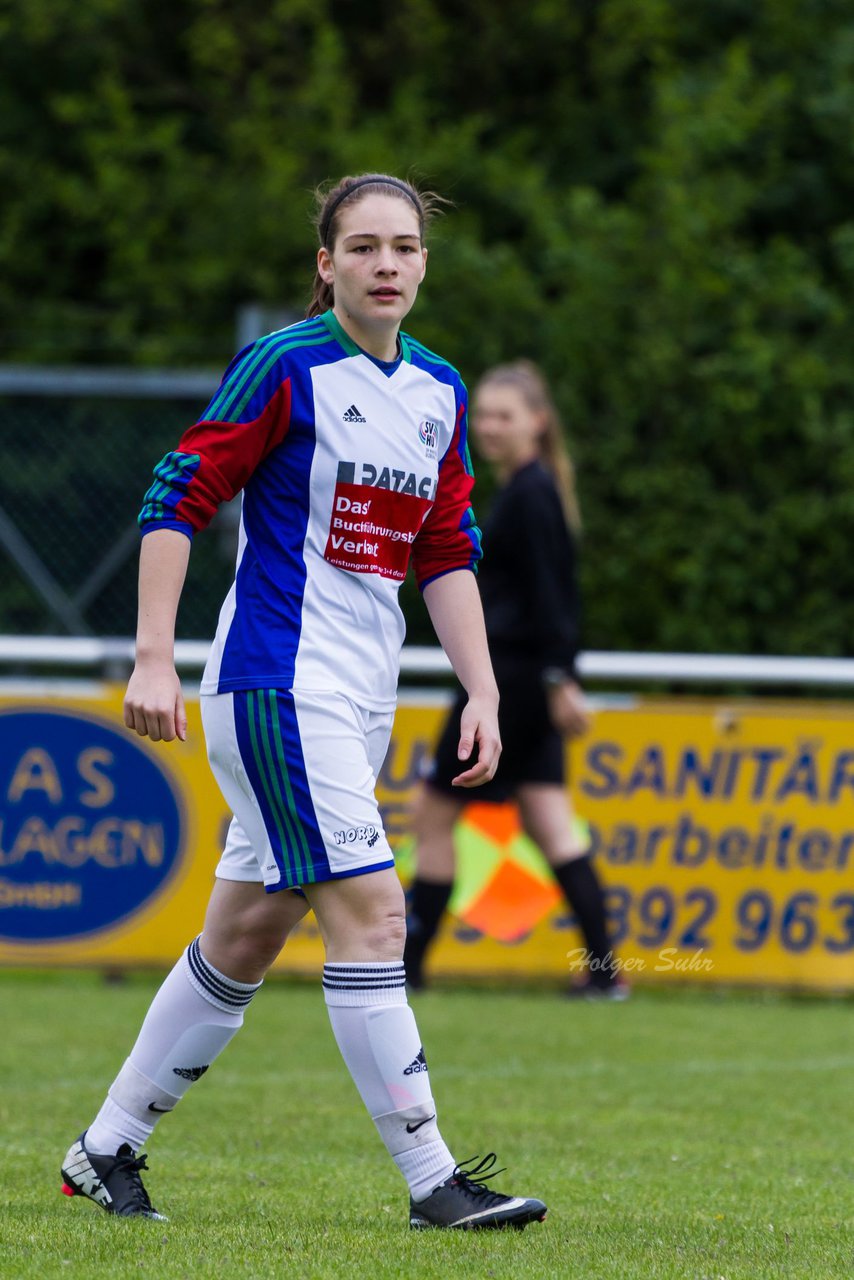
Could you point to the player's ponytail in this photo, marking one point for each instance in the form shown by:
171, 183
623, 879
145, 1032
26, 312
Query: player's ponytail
322, 297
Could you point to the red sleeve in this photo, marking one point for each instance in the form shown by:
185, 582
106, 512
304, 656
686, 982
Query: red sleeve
212, 463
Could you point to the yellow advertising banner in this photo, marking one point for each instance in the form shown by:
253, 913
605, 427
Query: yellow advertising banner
723, 832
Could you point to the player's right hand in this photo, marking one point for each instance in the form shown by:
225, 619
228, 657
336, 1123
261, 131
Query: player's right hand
154, 704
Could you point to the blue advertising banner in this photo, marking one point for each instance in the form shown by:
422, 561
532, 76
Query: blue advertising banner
90, 828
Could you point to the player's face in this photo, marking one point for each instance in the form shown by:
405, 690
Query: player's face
375, 267
506, 430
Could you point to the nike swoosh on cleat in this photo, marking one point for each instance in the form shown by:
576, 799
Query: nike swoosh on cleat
410, 1128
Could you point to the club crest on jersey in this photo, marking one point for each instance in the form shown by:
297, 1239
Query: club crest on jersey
428, 434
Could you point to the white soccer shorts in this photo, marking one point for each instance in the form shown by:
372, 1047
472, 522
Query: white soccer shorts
298, 772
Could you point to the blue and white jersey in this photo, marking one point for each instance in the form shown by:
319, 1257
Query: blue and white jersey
348, 468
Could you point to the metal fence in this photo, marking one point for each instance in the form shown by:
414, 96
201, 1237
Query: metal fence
78, 447
114, 657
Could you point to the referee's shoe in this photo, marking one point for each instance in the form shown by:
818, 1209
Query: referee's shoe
462, 1201
113, 1182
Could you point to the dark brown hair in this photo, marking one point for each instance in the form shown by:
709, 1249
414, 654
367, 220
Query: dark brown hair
329, 202
554, 454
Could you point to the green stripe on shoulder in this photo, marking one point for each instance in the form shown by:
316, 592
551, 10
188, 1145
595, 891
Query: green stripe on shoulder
426, 354
234, 396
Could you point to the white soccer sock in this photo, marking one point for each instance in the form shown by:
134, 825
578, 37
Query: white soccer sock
379, 1041
191, 1020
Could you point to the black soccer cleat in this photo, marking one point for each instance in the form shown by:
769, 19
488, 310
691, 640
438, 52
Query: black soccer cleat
113, 1182
462, 1201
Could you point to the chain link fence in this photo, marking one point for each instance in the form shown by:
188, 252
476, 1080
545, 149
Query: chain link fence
78, 449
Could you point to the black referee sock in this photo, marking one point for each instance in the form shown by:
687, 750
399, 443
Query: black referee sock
583, 891
427, 902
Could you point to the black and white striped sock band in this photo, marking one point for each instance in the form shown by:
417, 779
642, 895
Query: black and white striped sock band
223, 993
364, 984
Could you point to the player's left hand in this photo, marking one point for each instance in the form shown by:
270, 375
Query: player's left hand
480, 742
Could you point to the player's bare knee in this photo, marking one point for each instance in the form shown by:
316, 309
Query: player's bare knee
396, 931
245, 946
385, 934
243, 957
266, 949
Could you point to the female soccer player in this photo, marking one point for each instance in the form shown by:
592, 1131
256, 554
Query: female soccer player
347, 439
531, 603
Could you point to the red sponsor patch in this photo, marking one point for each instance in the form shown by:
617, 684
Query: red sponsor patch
372, 530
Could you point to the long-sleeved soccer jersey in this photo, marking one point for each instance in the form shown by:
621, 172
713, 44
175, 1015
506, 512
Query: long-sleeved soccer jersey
348, 467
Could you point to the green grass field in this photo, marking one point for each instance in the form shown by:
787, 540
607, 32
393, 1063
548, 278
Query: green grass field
677, 1135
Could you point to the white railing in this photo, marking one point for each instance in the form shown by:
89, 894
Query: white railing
108, 653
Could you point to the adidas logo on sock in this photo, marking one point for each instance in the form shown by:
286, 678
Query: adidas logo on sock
419, 1064
189, 1073
353, 415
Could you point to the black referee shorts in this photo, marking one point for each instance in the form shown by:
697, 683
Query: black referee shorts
532, 749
